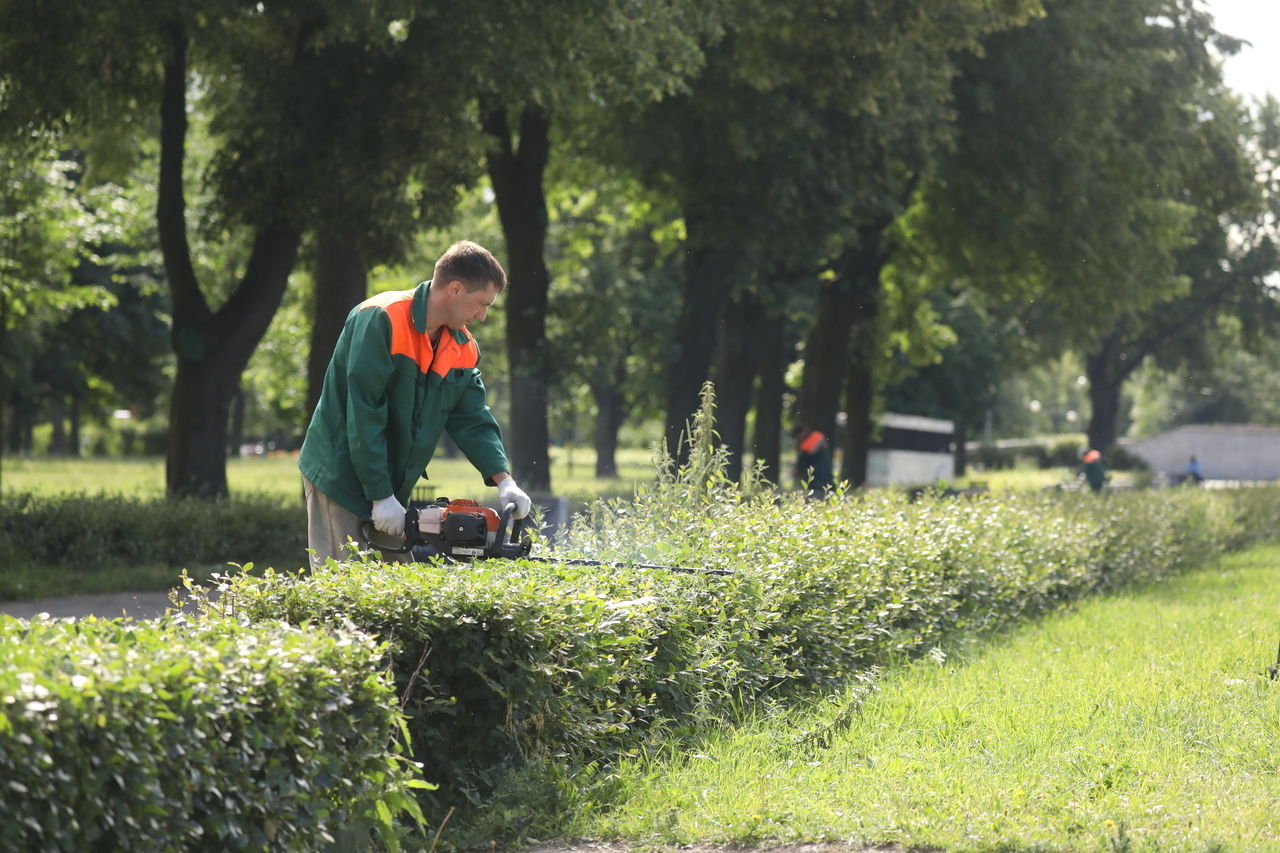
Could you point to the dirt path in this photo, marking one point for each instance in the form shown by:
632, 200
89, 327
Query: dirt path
135, 605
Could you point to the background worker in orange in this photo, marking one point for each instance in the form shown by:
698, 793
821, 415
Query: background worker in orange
403, 371
1092, 469
813, 461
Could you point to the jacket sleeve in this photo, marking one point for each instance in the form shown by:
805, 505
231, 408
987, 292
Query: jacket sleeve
476, 432
369, 371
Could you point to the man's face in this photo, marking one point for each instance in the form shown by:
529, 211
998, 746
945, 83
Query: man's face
468, 306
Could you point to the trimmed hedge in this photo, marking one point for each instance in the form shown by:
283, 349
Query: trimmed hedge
68, 530
1044, 454
501, 663
209, 735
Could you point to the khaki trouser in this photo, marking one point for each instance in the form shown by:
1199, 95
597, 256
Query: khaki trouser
331, 528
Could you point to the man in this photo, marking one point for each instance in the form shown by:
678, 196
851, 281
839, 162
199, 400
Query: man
1094, 472
403, 370
1194, 474
813, 461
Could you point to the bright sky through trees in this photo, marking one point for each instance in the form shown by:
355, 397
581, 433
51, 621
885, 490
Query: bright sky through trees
1256, 69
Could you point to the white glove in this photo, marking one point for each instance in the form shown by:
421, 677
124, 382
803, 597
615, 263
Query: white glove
388, 516
510, 493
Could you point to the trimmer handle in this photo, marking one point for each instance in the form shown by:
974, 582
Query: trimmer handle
516, 545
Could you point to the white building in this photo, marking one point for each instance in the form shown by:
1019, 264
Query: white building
1225, 451
912, 451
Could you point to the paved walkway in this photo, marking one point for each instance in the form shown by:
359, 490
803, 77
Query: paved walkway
135, 605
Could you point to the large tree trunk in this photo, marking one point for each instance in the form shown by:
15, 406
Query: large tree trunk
74, 419
235, 436
517, 176
58, 424
766, 442
862, 267
212, 348
341, 283
841, 348
1106, 368
735, 373
610, 411
709, 271
826, 355
859, 394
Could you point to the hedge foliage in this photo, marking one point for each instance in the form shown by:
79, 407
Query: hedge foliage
501, 663
208, 735
1062, 453
74, 531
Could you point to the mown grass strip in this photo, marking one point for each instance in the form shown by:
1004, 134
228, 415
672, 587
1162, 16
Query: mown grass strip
1142, 721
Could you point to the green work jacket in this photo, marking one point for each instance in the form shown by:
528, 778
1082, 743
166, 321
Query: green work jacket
386, 398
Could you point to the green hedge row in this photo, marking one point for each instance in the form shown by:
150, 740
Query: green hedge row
504, 663
75, 531
1063, 453
208, 735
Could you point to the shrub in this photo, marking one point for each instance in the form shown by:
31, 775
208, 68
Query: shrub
194, 736
500, 663
74, 531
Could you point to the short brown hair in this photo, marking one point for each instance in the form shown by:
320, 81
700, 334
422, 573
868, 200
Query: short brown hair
472, 264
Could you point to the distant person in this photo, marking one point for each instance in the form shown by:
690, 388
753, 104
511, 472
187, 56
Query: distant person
1094, 473
403, 372
1194, 475
813, 461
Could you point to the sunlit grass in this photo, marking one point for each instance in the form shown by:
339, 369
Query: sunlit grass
572, 474
1142, 721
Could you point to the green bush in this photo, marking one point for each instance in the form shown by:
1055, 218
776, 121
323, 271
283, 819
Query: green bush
75, 531
501, 663
209, 735
1050, 453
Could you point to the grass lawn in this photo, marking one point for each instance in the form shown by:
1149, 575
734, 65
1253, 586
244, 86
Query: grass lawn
572, 474
1143, 721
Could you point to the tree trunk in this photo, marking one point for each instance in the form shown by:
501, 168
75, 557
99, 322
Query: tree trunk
73, 427
610, 411
235, 438
860, 267
708, 277
859, 394
736, 373
21, 429
341, 283
766, 442
517, 177
962, 450
1106, 368
58, 422
826, 355
212, 348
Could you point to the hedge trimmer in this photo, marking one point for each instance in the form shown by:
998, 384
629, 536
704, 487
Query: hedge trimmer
465, 530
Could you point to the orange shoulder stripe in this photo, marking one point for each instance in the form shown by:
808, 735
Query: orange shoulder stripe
405, 340
409, 342
812, 441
